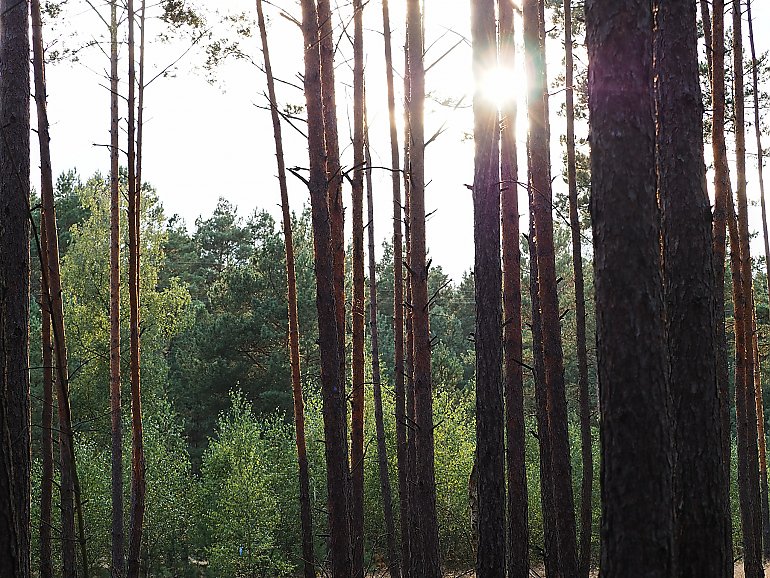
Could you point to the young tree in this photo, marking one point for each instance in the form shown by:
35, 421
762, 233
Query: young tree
398, 298
291, 280
513, 376
490, 441
332, 378
425, 491
358, 306
540, 181
700, 487
637, 506
15, 458
586, 484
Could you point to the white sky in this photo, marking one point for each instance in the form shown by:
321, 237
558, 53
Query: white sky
206, 141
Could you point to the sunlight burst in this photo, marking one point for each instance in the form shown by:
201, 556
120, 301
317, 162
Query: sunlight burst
502, 85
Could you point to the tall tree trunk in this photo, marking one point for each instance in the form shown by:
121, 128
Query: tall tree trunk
332, 379
421, 358
358, 308
722, 194
15, 457
398, 300
513, 377
382, 452
534, 47
760, 163
700, 486
138, 484
752, 472
490, 430
71, 502
306, 516
586, 484
334, 174
116, 415
46, 427
415, 552
637, 505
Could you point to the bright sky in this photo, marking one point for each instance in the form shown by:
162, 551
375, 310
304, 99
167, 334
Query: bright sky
206, 141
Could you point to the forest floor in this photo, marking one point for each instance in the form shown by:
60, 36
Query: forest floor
540, 573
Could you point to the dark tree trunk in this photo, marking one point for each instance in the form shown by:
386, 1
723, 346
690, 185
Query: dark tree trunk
332, 379
760, 414
15, 458
398, 299
700, 486
358, 308
333, 174
138, 484
306, 516
423, 392
637, 506
722, 193
116, 416
513, 378
382, 455
490, 436
540, 181
586, 484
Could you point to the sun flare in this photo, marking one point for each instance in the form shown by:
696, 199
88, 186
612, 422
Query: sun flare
503, 85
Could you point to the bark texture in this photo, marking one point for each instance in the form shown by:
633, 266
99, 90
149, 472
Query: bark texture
700, 487
637, 506
15, 458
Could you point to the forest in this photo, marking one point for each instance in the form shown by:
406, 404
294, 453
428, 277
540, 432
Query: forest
491, 298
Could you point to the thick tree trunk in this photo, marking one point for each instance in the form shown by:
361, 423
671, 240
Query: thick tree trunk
637, 505
700, 486
760, 414
332, 379
722, 194
428, 544
382, 453
398, 300
138, 484
586, 484
116, 415
15, 458
540, 180
490, 432
358, 308
513, 377
306, 516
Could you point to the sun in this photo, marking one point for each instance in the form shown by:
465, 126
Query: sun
502, 85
